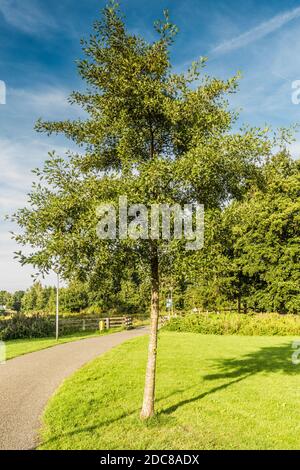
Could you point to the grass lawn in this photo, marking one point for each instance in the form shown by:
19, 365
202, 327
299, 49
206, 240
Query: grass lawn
213, 392
19, 347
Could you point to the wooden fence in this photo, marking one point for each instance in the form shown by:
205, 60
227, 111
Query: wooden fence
71, 325
115, 322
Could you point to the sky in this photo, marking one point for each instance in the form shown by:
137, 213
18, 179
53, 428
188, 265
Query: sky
40, 42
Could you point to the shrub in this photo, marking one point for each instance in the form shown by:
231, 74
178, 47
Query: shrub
93, 310
21, 326
268, 324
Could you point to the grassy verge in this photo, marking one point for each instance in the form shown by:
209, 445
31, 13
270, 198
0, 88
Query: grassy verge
20, 347
213, 392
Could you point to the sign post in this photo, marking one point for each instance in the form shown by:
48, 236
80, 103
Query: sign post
169, 305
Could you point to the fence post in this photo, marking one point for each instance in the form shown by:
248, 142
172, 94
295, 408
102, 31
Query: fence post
107, 323
128, 322
83, 325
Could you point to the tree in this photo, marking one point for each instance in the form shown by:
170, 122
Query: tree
30, 298
251, 260
150, 134
3, 297
15, 301
265, 239
74, 298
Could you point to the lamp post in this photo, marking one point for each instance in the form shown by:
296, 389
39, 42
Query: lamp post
57, 307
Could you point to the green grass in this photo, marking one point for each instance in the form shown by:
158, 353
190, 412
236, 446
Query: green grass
213, 392
19, 347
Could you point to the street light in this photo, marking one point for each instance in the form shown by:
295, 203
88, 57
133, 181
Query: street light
57, 307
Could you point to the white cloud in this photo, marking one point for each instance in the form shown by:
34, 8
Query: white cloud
17, 158
13, 276
26, 16
294, 148
44, 100
49, 102
24, 150
21, 151
258, 32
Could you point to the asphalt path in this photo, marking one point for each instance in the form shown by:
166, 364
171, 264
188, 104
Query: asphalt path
27, 382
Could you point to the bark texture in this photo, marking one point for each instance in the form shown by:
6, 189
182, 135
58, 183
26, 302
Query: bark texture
149, 391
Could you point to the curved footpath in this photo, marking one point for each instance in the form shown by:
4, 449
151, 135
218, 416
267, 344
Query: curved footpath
27, 382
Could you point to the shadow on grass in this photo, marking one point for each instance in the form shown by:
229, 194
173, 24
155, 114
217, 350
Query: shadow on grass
174, 407
271, 359
107, 422
275, 359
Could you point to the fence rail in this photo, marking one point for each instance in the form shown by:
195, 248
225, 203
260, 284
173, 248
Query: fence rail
88, 324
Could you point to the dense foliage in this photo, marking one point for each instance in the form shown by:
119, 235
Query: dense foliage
234, 324
128, 295
251, 260
10, 301
21, 326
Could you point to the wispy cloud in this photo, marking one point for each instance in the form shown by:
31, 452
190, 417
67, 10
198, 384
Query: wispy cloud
26, 16
13, 276
256, 33
44, 99
17, 158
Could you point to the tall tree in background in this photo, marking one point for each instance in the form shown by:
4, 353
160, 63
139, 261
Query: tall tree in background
151, 135
265, 239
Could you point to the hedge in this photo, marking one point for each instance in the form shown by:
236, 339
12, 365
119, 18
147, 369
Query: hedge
21, 327
268, 324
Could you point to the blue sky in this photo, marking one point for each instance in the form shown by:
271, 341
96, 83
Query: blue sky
40, 43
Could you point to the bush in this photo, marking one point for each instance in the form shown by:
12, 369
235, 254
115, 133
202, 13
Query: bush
93, 310
269, 324
21, 327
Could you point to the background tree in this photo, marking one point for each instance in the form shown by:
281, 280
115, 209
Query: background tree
266, 239
4, 297
251, 255
16, 301
30, 299
74, 298
150, 134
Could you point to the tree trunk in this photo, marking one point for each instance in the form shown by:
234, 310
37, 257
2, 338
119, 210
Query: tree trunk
149, 391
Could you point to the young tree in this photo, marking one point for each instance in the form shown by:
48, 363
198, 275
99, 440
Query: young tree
152, 135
